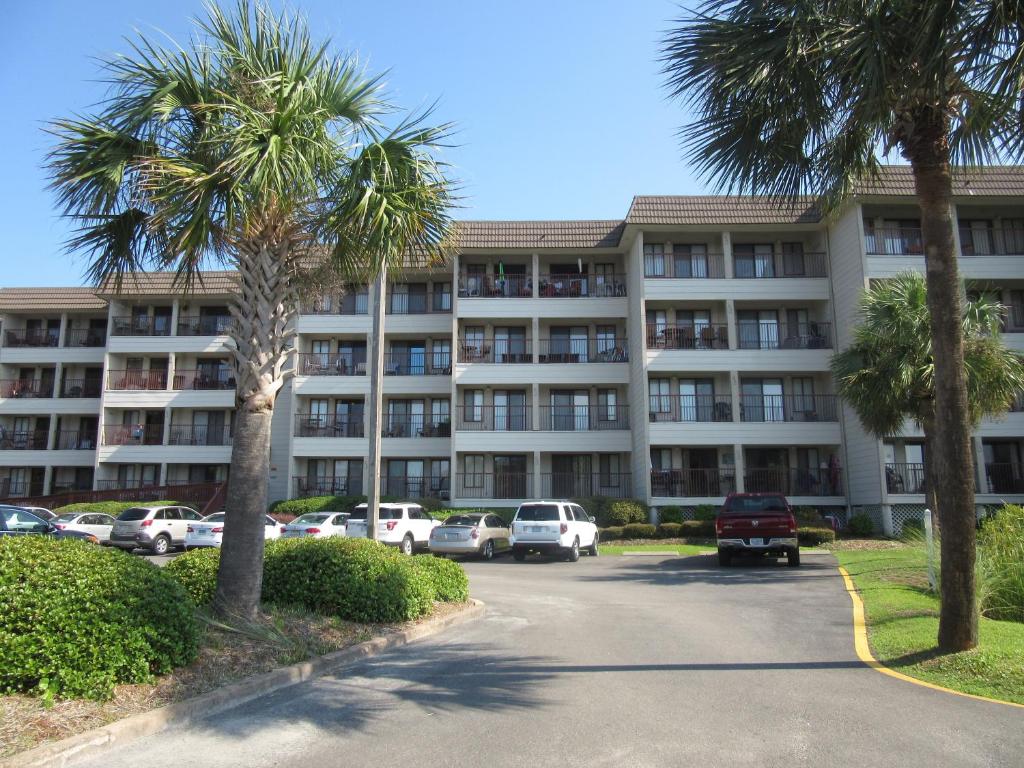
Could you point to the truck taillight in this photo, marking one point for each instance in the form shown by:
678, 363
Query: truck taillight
792, 524
564, 528
718, 526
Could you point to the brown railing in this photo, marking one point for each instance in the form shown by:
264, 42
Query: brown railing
327, 486
141, 326
204, 325
904, 477
689, 408
85, 337
203, 379
779, 265
495, 418
694, 483
436, 363
490, 485
435, 487
570, 485
36, 337
501, 351
703, 336
91, 387
583, 418
429, 302
26, 388
574, 286
415, 426
195, 495
685, 267
133, 434
33, 440
18, 489
1005, 477
495, 286
331, 364
810, 335
893, 241
328, 425
75, 440
134, 379
566, 350
764, 408
809, 481
198, 434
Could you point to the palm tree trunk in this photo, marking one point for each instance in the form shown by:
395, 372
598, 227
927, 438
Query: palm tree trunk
931, 500
951, 462
261, 331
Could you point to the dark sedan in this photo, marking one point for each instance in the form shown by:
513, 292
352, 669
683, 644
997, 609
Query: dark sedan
16, 521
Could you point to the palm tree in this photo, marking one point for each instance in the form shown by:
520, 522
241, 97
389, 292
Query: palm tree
255, 148
799, 98
887, 374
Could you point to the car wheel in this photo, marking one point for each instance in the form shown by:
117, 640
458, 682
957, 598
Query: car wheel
793, 558
488, 553
161, 544
574, 551
724, 558
592, 549
519, 555
407, 544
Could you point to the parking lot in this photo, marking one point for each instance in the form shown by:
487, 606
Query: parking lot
627, 661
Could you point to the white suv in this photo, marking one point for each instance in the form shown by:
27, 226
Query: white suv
154, 528
406, 526
559, 527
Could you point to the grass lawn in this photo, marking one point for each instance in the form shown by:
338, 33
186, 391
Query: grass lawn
903, 622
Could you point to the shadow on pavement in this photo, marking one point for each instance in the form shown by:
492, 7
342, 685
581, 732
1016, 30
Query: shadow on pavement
704, 569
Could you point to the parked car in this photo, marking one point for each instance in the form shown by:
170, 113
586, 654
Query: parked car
15, 521
96, 523
41, 512
209, 532
318, 525
473, 534
154, 528
553, 527
404, 525
756, 524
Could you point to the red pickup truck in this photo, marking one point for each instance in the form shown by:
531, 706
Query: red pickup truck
758, 524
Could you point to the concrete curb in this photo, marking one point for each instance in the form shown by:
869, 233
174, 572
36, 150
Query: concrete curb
95, 742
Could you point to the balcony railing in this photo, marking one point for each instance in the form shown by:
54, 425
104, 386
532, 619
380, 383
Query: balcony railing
328, 486
893, 241
436, 363
328, 425
565, 350
574, 286
15, 488
198, 434
690, 408
809, 481
810, 335
133, 434
331, 364
204, 325
683, 267
91, 387
36, 337
126, 484
85, 337
995, 241
431, 302
583, 418
904, 477
415, 426
570, 485
779, 265
136, 380
75, 440
26, 388
32, 440
1005, 477
695, 483
436, 487
702, 336
1014, 322
141, 326
203, 379
495, 286
501, 351
494, 418
490, 485
357, 303
764, 408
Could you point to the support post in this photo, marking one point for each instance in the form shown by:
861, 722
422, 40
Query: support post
376, 406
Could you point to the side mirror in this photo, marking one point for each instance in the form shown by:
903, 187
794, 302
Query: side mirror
592, 519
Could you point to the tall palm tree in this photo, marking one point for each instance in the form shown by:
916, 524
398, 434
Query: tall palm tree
256, 148
792, 97
887, 374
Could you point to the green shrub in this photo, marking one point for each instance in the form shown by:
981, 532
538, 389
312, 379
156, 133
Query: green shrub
308, 504
77, 619
809, 516
860, 525
639, 531
626, 511
812, 536
1001, 564
670, 530
912, 530
705, 512
115, 508
196, 571
670, 515
354, 579
597, 507
611, 533
698, 529
451, 585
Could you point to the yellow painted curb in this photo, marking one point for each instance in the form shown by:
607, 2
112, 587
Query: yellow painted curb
860, 644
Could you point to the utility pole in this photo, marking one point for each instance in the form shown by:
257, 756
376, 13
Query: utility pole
376, 405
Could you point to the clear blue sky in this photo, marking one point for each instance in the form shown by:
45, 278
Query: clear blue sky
560, 105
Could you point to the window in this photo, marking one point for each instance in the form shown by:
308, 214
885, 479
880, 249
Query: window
474, 475
660, 400
754, 260
696, 399
539, 513
654, 260
605, 339
473, 405
758, 329
609, 467
607, 405
604, 280
793, 259
690, 261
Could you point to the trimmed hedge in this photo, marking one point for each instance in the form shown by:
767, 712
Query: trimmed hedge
308, 504
860, 525
809, 516
196, 571
812, 536
670, 530
611, 533
451, 585
639, 531
115, 508
77, 619
699, 529
670, 514
705, 512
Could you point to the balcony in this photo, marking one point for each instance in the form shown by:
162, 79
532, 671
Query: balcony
1014, 322
690, 408
415, 426
203, 379
760, 335
560, 351
75, 388
327, 486
204, 325
122, 380
583, 418
75, 440
19, 488
709, 266
496, 287
355, 303
499, 351
435, 487
488, 485
779, 408
1005, 477
133, 434
576, 286
569, 485
330, 364
35, 337
695, 483
904, 477
85, 337
26, 388
328, 425
418, 363
198, 434
778, 265
428, 302
993, 241
810, 481
494, 418
688, 337
33, 440
141, 326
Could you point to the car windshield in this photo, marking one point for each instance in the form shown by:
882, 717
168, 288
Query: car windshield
463, 520
68, 517
216, 517
310, 518
134, 514
742, 504
538, 512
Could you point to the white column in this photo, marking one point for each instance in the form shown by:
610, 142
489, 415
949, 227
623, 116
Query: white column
740, 465
731, 327
536, 275
63, 329
734, 388
165, 439
47, 479
51, 434
175, 312
535, 410
538, 491
536, 340
58, 379
979, 465
727, 254
163, 473
172, 364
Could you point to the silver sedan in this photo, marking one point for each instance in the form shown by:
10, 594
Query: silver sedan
475, 533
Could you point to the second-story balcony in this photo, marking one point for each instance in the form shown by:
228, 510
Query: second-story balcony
583, 418
780, 408
81, 387
330, 364
1004, 477
764, 335
142, 325
577, 286
30, 440
904, 477
798, 481
328, 425
698, 336
690, 408
75, 440
494, 418
499, 351
31, 337
203, 379
132, 379
27, 388
563, 350
433, 363
419, 303
198, 434
695, 483
133, 434
415, 426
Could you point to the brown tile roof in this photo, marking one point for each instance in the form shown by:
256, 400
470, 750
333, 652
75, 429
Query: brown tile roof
214, 283
50, 300
715, 210
993, 181
539, 234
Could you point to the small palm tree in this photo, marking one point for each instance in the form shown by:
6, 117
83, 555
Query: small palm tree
794, 97
887, 374
254, 148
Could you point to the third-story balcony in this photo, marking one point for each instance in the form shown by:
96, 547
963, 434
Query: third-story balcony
501, 351
758, 266
695, 483
690, 408
75, 440
81, 387
494, 418
583, 418
776, 408
204, 379
570, 350
416, 303
198, 434
495, 286
328, 425
415, 426
761, 335
33, 337
806, 481
141, 326
29, 388
204, 325
435, 363
85, 337
330, 364
136, 380
705, 336
689, 266
355, 302
31, 440
133, 434
570, 286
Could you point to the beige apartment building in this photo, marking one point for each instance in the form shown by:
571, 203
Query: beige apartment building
675, 355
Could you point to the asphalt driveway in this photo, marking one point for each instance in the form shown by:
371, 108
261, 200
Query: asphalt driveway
624, 661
